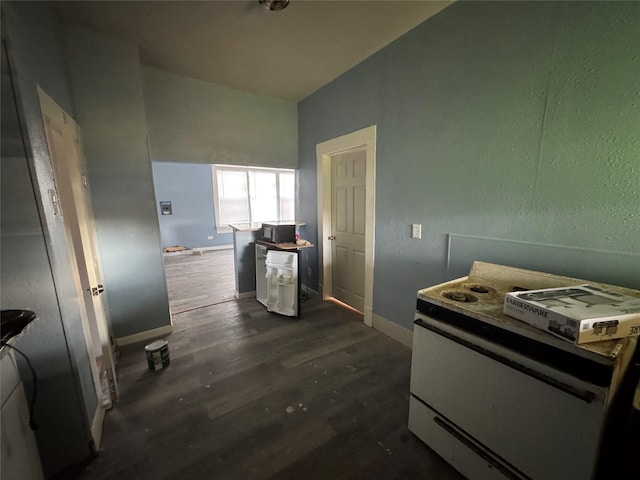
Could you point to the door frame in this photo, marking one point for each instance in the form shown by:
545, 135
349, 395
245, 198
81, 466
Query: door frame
83, 252
364, 139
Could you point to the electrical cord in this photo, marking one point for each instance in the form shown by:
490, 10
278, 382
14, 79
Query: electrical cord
32, 423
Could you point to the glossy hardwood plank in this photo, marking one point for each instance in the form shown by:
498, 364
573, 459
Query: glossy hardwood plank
255, 395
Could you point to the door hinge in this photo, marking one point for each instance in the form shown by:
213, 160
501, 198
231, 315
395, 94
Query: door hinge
53, 197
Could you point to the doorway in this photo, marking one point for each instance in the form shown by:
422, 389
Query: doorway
346, 213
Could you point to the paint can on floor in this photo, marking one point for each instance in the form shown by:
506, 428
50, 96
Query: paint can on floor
157, 354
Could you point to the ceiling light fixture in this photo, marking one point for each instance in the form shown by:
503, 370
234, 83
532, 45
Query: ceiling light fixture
274, 5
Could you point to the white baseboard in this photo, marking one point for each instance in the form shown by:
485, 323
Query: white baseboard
393, 330
190, 251
217, 247
142, 336
243, 295
96, 426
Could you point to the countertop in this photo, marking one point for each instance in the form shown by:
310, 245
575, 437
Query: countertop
252, 227
246, 227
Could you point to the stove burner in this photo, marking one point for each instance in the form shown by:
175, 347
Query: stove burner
460, 296
479, 289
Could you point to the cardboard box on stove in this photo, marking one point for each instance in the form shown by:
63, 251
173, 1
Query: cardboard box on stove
578, 314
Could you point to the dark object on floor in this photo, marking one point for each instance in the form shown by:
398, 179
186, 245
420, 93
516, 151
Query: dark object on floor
157, 355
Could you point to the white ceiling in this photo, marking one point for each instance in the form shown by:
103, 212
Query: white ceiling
239, 44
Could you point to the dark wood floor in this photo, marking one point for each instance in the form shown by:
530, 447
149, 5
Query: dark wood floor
252, 395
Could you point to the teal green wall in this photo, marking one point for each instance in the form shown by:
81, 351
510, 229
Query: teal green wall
106, 82
193, 121
508, 120
35, 265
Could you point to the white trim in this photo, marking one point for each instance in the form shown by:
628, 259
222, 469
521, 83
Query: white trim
216, 247
142, 336
96, 426
190, 251
79, 228
361, 139
243, 295
393, 330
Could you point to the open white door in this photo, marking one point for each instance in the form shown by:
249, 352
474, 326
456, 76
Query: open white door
66, 153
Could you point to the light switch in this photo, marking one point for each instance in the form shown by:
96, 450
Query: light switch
416, 230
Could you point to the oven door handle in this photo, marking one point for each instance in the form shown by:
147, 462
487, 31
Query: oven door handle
584, 395
508, 471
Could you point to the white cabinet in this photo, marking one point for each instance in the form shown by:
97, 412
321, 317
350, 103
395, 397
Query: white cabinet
20, 458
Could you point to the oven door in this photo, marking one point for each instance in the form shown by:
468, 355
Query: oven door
527, 419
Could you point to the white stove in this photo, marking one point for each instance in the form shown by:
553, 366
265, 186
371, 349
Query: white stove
498, 398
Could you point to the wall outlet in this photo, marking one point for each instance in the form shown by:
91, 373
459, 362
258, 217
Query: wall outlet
416, 230
210, 237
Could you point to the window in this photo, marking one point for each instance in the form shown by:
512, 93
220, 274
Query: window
252, 194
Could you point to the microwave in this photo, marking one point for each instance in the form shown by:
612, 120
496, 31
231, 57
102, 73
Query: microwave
279, 233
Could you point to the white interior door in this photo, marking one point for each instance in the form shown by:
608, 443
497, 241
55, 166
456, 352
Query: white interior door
66, 153
364, 141
348, 227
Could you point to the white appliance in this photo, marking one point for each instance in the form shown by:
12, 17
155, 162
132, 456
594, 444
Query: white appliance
500, 399
20, 458
277, 280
